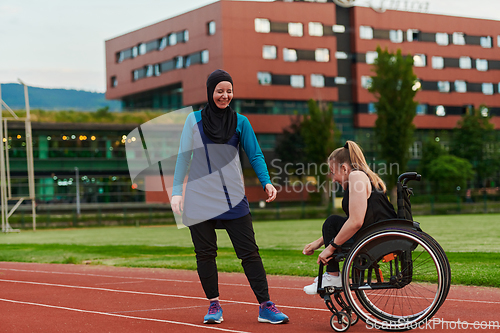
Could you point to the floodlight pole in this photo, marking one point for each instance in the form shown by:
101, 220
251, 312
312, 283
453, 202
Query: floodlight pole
77, 191
29, 153
3, 188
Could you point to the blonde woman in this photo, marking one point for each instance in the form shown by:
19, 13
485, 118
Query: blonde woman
364, 203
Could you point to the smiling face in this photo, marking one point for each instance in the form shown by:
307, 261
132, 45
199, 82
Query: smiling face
223, 94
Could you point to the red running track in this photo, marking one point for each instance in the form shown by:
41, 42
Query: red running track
79, 298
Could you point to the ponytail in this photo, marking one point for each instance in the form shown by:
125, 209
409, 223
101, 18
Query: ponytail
352, 154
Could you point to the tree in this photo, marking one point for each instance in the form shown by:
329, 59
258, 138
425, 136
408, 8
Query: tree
449, 171
431, 150
320, 138
471, 140
394, 86
290, 148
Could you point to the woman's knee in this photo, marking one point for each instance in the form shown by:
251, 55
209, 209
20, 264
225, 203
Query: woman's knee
332, 225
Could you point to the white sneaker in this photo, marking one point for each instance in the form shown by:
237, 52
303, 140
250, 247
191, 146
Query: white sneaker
327, 281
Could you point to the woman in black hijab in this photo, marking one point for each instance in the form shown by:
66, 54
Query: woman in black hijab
214, 195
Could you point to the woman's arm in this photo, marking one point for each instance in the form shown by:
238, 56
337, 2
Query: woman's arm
359, 192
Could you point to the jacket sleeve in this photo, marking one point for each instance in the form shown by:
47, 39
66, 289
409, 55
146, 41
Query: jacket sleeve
254, 153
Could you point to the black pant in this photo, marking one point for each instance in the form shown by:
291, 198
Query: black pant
331, 228
242, 236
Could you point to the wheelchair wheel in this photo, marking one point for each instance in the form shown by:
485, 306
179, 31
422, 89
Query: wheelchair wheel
396, 279
445, 261
340, 322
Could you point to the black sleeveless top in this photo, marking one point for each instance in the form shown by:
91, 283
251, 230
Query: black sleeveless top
379, 208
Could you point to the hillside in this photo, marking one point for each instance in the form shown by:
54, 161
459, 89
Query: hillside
56, 99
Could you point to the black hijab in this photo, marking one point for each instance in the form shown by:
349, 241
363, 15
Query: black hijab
219, 125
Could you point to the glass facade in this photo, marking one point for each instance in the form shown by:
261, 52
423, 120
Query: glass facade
166, 98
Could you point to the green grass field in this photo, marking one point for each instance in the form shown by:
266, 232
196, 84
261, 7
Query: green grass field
471, 242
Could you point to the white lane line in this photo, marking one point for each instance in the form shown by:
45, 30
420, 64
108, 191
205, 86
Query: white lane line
163, 309
125, 282
121, 316
184, 281
133, 277
150, 294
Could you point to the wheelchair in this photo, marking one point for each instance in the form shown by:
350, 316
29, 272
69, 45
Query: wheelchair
395, 277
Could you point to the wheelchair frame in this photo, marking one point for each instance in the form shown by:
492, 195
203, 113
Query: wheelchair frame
395, 277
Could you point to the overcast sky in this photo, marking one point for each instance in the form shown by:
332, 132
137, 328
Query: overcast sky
60, 43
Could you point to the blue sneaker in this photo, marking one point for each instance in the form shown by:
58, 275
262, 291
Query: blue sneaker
214, 315
270, 314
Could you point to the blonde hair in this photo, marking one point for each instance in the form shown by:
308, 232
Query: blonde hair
353, 155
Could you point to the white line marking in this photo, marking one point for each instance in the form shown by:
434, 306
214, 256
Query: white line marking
162, 309
121, 316
150, 294
132, 277
184, 281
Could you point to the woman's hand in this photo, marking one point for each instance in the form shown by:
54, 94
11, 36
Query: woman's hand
271, 192
313, 246
325, 256
177, 204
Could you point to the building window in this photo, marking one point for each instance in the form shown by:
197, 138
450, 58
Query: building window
297, 81
317, 80
135, 74
204, 56
419, 60
365, 32
370, 57
295, 29
465, 62
149, 70
187, 61
269, 52
341, 55
179, 62
484, 111
498, 40
412, 35
460, 86
440, 111
437, 62
120, 56
421, 109
157, 70
185, 36
289, 55
371, 108
340, 80
211, 28
322, 55
142, 48
396, 36
366, 82
487, 88
264, 78
315, 29
114, 81
458, 38
339, 29
163, 43
486, 42
135, 52
262, 25
444, 86
482, 65
172, 39
442, 38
